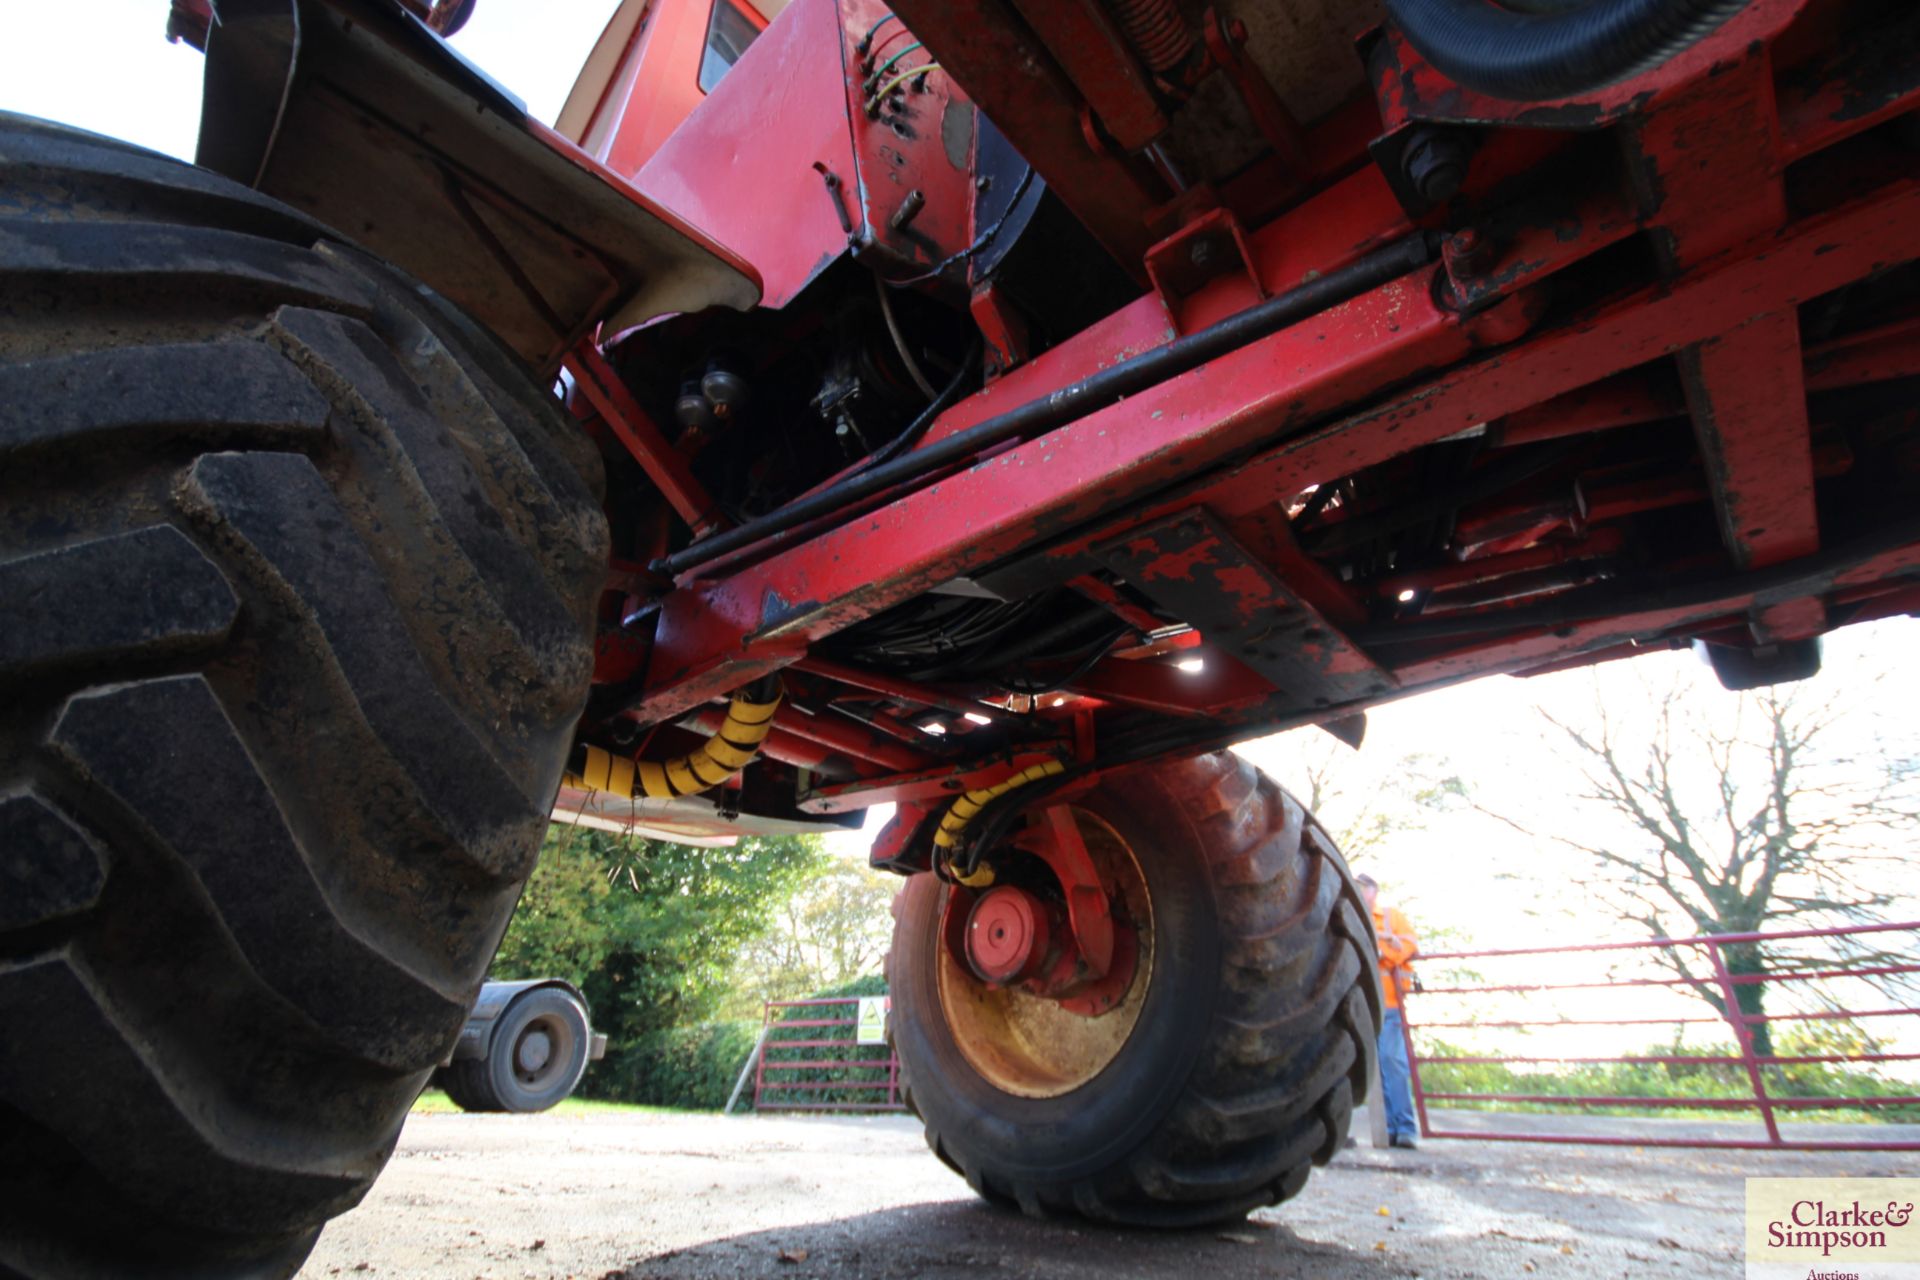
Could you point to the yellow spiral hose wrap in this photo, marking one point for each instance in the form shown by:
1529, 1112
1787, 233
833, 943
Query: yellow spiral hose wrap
963, 810
712, 763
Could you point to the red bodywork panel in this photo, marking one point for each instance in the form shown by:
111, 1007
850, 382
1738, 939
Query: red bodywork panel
748, 166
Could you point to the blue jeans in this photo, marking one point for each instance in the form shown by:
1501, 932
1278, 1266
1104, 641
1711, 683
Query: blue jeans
1393, 1078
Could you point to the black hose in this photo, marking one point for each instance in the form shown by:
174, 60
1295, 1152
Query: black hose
910, 435
1531, 57
1078, 399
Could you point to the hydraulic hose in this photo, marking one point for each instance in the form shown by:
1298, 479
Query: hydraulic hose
966, 807
1556, 51
749, 720
1077, 399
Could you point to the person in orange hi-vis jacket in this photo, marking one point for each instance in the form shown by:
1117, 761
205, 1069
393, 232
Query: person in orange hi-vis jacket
1398, 947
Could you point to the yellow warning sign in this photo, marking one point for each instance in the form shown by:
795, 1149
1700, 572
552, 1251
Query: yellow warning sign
872, 1028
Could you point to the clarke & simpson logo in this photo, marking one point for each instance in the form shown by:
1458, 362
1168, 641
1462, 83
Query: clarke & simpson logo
1832, 1229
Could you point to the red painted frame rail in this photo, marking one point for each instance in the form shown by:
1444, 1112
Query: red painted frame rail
783, 1015
1767, 1104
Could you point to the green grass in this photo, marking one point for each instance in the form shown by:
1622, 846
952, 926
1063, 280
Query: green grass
436, 1103
1704, 1080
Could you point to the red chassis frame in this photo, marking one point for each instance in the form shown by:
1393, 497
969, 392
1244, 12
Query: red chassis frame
1180, 489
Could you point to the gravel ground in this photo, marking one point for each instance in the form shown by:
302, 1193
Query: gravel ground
647, 1196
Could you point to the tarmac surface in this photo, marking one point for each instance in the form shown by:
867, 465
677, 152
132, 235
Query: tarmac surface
662, 1196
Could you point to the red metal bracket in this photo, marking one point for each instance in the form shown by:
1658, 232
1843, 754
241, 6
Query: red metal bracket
1208, 247
1055, 839
664, 464
1002, 328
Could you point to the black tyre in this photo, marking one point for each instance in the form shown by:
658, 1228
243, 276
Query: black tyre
298, 569
534, 1061
1235, 1057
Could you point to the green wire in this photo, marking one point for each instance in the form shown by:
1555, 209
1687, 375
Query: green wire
866, 41
880, 71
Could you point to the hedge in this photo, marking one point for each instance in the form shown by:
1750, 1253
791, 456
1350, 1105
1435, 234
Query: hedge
688, 1067
1705, 1080
694, 1068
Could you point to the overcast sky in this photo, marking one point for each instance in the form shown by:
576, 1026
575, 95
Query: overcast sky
104, 65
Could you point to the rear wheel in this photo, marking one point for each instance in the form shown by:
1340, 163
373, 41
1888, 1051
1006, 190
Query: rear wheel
534, 1061
299, 569
1224, 1069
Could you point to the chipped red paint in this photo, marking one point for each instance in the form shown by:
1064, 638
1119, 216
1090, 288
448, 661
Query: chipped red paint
1411, 89
1009, 74
923, 786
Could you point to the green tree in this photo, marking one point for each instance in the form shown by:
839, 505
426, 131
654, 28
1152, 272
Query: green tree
647, 929
1363, 813
833, 930
1695, 829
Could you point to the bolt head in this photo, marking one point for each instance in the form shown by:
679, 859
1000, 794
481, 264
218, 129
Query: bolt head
1435, 165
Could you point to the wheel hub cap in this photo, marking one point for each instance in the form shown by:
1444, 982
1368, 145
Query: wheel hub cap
1006, 934
533, 1051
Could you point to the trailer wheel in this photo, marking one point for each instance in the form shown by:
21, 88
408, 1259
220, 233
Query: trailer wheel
299, 570
534, 1060
1228, 1067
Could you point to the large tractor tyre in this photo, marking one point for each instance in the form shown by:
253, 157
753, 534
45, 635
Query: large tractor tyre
298, 571
1228, 1068
534, 1060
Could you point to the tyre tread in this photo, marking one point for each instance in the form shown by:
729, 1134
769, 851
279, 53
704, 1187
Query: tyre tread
1292, 1039
284, 788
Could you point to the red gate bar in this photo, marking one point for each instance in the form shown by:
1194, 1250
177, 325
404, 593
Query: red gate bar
770, 1087
1766, 1103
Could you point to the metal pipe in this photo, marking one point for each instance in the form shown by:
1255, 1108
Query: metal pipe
1449, 577
892, 687
1078, 399
857, 741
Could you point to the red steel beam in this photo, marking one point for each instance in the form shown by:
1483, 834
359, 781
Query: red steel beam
1601, 542
938, 785
1873, 355
799, 750
1101, 65
1530, 647
1748, 394
1746, 388
853, 739
1624, 400
1175, 430
1222, 681
665, 466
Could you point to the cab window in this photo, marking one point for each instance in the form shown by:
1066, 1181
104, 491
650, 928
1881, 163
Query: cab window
729, 32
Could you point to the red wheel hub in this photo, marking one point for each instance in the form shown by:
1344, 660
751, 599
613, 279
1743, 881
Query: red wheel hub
1006, 935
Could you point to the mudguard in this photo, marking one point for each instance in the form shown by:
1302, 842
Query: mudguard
494, 999
356, 112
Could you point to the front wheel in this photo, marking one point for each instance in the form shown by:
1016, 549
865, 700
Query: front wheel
1212, 1081
298, 571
